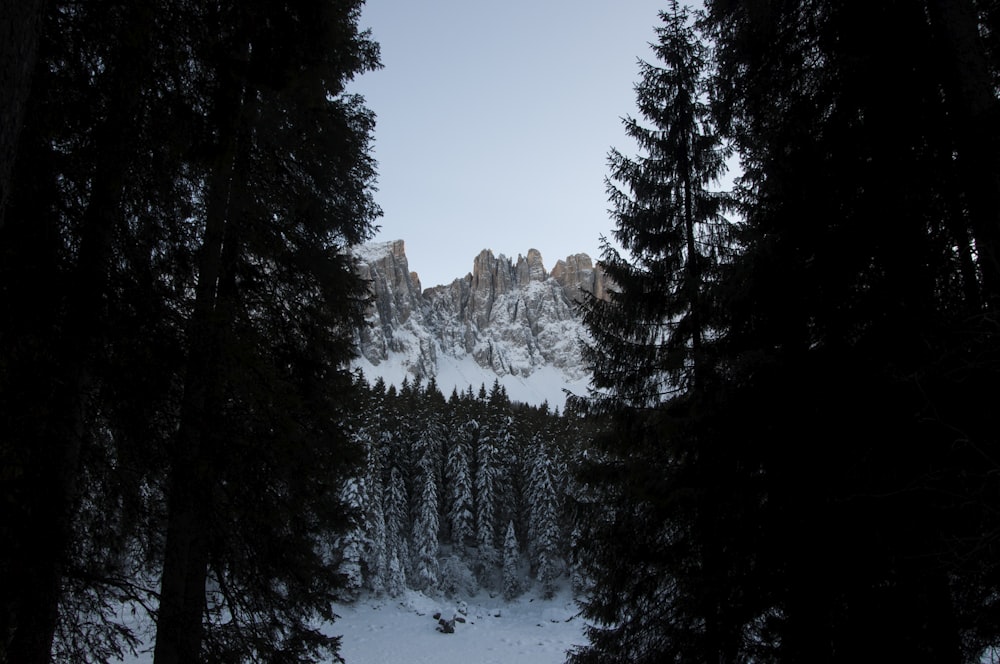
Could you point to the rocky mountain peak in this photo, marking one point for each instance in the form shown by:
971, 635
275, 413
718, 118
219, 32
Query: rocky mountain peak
505, 320
577, 274
530, 268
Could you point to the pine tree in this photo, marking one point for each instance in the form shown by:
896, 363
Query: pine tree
511, 564
650, 335
287, 179
425, 528
72, 273
178, 303
459, 479
847, 307
652, 362
789, 513
351, 544
486, 501
397, 574
543, 535
376, 554
397, 531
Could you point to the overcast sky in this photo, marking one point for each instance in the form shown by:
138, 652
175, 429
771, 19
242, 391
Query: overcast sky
495, 120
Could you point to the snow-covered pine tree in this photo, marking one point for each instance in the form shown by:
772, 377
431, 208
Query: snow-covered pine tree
397, 531
376, 558
425, 529
397, 575
459, 481
511, 564
500, 425
544, 525
486, 501
351, 544
428, 436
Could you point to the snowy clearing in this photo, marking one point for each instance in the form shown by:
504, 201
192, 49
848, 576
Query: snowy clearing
403, 629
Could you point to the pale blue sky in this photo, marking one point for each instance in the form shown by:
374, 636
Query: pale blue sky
495, 120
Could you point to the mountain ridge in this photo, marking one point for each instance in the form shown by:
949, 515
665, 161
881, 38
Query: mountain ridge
507, 320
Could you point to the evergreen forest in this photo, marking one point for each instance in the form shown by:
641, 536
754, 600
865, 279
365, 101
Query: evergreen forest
791, 449
460, 495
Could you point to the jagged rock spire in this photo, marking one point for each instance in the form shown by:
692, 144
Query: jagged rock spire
511, 318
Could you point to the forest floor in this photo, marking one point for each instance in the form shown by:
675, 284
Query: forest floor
403, 629
387, 630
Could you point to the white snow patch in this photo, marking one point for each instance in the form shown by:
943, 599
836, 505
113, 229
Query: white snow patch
544, 384
403, 629
526, 631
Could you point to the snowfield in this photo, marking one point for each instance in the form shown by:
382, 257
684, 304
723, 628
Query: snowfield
403, 629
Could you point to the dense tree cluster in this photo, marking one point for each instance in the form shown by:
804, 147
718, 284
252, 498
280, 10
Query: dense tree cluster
181, 182
460, 494
804, 464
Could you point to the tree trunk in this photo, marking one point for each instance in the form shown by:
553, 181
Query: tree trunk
180, 627
54, 456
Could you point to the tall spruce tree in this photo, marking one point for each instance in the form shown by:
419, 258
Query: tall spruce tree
287, 180
651, 332
397, 531
459, 480
511, 563
652, 363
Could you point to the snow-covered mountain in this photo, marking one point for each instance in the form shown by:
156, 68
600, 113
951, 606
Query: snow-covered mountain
506, 320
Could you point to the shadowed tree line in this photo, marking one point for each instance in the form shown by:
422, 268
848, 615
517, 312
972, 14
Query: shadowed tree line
180, 183
803, 373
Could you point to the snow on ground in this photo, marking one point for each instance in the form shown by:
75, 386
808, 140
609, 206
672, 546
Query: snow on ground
388, 630
403, 629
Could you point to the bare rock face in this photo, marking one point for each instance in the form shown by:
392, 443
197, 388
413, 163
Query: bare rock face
511, 318
396, 300
531, 268
578, 274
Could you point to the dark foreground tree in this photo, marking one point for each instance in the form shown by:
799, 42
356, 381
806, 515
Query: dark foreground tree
178, 306
651, 343
832, 497
259, 446
650, 335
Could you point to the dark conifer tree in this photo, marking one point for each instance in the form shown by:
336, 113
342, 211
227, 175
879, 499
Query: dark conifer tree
459, 480
829, 499
850, 308
650, 334
651, 360
177, 298
511, 563
397, 531
287, 179
76, 268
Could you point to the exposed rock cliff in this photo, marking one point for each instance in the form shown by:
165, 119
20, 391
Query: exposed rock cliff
506, 320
